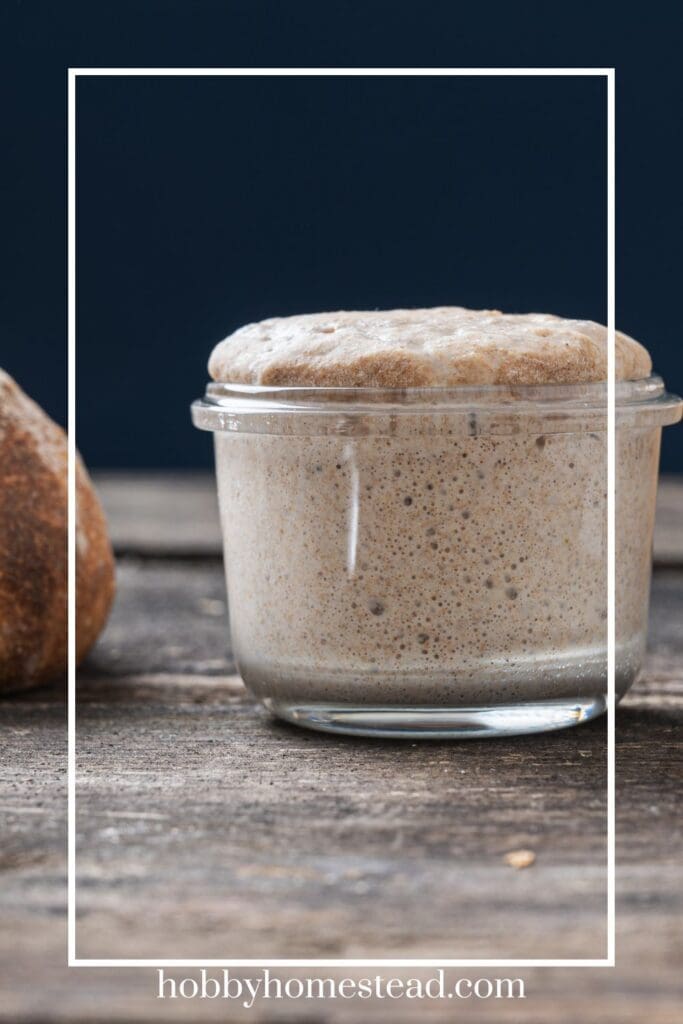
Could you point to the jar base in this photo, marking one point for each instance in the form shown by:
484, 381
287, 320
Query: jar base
438, 722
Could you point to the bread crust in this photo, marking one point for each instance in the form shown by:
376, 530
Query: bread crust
447, 346
33, 547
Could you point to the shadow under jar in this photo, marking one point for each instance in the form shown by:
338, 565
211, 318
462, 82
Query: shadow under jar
433, 562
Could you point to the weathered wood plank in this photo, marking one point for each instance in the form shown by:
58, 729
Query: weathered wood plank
169, 617
281, 840
202, 823
138, 878
277, 812
668, 541
158, 514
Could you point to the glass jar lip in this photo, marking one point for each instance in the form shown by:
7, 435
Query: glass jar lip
644, 389
483, 408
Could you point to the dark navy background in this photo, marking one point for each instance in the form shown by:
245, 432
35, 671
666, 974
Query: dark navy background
206, 203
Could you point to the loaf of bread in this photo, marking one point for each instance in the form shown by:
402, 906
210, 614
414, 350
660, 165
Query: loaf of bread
33, 547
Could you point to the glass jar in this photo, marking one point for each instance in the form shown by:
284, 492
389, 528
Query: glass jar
432, 562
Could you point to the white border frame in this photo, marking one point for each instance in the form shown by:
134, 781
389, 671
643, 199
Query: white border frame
73, 74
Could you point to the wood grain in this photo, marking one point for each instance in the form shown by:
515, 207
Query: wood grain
207, 829
161, 514
668, 542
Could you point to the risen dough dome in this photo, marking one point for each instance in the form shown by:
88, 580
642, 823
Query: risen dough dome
442, 347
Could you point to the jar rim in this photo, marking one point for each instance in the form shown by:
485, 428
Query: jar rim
482, 408
625, 390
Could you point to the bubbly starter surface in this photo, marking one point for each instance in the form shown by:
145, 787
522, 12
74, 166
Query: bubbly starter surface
433, 569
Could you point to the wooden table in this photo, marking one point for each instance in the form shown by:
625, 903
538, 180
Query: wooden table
207, 830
